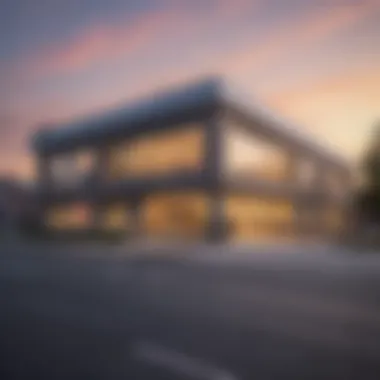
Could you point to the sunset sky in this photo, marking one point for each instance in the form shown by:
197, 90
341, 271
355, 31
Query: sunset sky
316, 62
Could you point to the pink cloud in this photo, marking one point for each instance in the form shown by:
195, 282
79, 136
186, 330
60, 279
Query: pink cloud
311, 30
338, 108
360, 82
232, 8
102, 43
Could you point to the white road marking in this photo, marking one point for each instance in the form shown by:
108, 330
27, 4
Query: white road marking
179, 363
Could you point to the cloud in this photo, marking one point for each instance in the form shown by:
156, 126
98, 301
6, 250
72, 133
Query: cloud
314, 28
101, 43
7, 128
339, 108
360, 83
104, 42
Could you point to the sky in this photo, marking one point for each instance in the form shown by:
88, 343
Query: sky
316, 63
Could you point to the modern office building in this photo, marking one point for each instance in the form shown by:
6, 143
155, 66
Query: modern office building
194, 162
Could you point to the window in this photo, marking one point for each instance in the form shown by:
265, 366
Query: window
251, 217
72, 169
116, 217
179, 150
247, 156
72, 216
176, 215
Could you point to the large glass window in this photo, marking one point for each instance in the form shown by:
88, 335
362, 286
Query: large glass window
251, 217
72, 217
248, 156
116, 217
178, 215
72, 169
169, 151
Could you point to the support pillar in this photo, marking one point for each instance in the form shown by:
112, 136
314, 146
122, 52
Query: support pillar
293, 178
97, 216
44, 174
218, 225
216, 229
136, 213
99, 178
320, 200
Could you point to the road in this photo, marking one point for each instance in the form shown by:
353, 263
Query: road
70, 315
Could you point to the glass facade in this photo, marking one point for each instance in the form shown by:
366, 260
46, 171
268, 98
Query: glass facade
248, 156
253, 218
186, 215
72, 169
167, 152
69, 217
181, 215
116, 217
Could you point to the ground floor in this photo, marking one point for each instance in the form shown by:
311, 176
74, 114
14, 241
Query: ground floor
186, 215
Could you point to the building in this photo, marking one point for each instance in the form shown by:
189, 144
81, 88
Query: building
190, 163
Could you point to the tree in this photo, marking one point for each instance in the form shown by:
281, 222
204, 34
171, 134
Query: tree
369, 197
371, 162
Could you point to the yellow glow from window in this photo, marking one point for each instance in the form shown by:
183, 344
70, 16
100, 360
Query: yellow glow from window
176, 215
257, 218
76, 216
246, 155
163, 153
116, 216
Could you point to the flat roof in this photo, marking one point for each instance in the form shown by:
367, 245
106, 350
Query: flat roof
132, 117
197, 98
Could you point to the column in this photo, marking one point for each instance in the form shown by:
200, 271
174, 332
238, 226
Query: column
293, 178
216, 230
44, 175
136, 213
320, 189
99, 178
102, 166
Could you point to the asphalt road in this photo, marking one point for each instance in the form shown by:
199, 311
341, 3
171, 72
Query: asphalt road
162, 318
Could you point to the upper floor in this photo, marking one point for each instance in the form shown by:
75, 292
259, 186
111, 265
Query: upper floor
196, 136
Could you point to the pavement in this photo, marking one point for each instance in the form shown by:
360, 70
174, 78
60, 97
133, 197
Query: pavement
196, 313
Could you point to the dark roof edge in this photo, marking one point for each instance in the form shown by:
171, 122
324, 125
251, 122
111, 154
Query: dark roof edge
191, 97
181, 99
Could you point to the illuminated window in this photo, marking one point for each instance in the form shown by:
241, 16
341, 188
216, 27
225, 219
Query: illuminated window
259, 218
72, 169
73, 216
176, 215
247, 156
116, 216
180, 150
